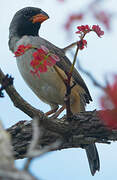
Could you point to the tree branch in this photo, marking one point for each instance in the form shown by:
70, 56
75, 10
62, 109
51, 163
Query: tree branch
85, 128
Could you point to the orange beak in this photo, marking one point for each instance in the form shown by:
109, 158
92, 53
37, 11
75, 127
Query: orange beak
39, 18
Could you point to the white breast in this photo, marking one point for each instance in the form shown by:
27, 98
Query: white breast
47, 87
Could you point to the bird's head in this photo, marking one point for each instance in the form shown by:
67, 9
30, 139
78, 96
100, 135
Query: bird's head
27, 21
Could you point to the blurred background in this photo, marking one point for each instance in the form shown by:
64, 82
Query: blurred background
100, 58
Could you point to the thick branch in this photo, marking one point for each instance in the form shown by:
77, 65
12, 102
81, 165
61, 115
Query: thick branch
85, 128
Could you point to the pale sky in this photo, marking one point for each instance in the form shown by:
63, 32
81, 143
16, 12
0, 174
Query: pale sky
99, 58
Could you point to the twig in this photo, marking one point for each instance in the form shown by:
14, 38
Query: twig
34, 142
69, 75
74, 61
6, 81
69, 46
37, 132
68, 86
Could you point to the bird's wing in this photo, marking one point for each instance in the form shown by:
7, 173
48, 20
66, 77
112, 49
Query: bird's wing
64, 62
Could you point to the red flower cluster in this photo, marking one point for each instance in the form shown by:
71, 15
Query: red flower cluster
83, 29
82, 44
22, 49
97, 30
41, 59
109, 105
73, 18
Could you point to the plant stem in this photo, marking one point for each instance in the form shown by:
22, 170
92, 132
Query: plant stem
74, 61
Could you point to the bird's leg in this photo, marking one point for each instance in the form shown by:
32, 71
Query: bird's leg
67, 95
57, 113
51, 111
69, 46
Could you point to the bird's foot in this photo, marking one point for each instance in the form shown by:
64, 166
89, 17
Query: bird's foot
57, 113
51, 111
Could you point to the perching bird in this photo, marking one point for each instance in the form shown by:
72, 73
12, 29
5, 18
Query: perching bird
49, 87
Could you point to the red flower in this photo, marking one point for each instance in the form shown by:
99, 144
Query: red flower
42, 59
22, 49
109, 105
82, 44
72, 18
39, 54
42, 68
104, 18
83, 29
97, 30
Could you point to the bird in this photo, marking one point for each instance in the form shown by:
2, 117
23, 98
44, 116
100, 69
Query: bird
24, 29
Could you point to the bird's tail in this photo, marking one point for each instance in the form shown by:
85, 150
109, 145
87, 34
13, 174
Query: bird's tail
93, 158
